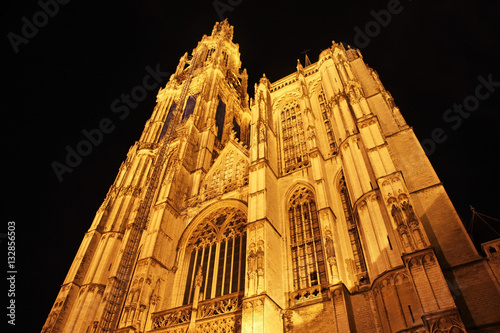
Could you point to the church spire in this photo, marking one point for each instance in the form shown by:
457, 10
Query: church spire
223, 29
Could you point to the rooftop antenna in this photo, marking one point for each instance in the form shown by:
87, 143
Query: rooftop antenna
308, 62
480, 216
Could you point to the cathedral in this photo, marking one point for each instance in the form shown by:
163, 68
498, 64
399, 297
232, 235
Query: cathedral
309, 207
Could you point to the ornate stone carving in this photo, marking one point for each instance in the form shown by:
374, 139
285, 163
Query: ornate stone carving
287, 318
223, 314
172, 317
444, 322
221, 224
397, 214
314, 293
330, 256
198, 280
406, 220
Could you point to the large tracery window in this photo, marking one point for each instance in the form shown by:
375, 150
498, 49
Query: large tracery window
308, 263
294, 141
218, 246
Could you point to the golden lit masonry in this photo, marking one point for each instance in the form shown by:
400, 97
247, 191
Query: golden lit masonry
310, 207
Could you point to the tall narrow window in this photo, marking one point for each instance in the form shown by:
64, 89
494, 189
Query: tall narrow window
167, 121
352, 229
209, 54
308, 263
236, 129
294, 142
220, 117
326, 120
225, 58
190, 104
218, 246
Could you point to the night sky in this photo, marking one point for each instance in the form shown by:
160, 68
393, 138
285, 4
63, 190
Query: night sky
69, 70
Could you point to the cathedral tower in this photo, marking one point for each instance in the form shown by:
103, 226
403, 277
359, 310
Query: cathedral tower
309, 208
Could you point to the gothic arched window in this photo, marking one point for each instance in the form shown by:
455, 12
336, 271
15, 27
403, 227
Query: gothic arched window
225, 58
308, 263
210, 52
218, 246
294, 141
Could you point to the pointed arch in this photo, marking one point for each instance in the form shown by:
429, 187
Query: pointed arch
215, 241
296, 185
306, 248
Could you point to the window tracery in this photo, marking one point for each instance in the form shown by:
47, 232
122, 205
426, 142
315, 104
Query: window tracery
218, 246
308, 266
294, 141
232, 173
228, 170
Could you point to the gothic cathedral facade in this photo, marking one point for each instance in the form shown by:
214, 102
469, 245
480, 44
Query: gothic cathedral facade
310, 207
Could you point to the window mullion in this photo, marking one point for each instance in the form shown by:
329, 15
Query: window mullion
300, 246
293, 240
193, 275
224, 268
203, 283
314, 243
241, 261
214, 274
207, 272
296, 221
306, 254
231, 277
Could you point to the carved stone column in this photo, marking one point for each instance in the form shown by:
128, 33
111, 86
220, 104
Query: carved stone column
198, 280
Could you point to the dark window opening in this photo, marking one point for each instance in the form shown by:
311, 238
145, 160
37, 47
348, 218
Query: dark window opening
220, 116
411, 314
167, 121
190, 104
236, 129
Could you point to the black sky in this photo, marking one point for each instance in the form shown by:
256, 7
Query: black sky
64, 79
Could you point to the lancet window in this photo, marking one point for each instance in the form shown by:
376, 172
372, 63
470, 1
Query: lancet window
308, 263
326, 120
218, 246
294, 142
209, 54
167, 121
225, 58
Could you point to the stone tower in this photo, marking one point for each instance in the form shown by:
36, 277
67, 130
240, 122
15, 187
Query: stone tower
309, 208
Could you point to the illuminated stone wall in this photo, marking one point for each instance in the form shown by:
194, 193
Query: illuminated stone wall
310, 207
